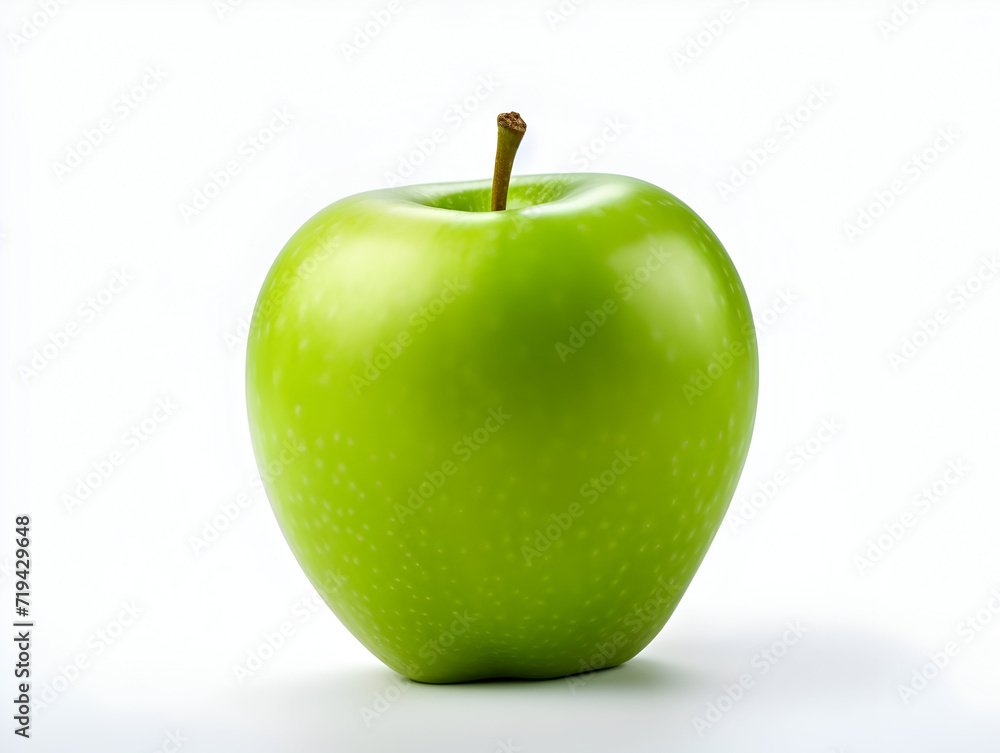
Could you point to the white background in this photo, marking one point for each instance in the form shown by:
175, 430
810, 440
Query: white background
174, 333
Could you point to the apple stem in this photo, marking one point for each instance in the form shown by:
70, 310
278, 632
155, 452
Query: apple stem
510, 132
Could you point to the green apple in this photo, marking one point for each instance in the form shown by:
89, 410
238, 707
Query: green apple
499, 443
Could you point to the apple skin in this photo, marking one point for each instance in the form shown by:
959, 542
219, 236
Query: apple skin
475, 491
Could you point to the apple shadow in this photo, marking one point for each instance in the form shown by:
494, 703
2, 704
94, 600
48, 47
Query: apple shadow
641, 674
364, 706
833, 688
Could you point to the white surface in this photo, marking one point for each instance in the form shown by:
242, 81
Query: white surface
169, 334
